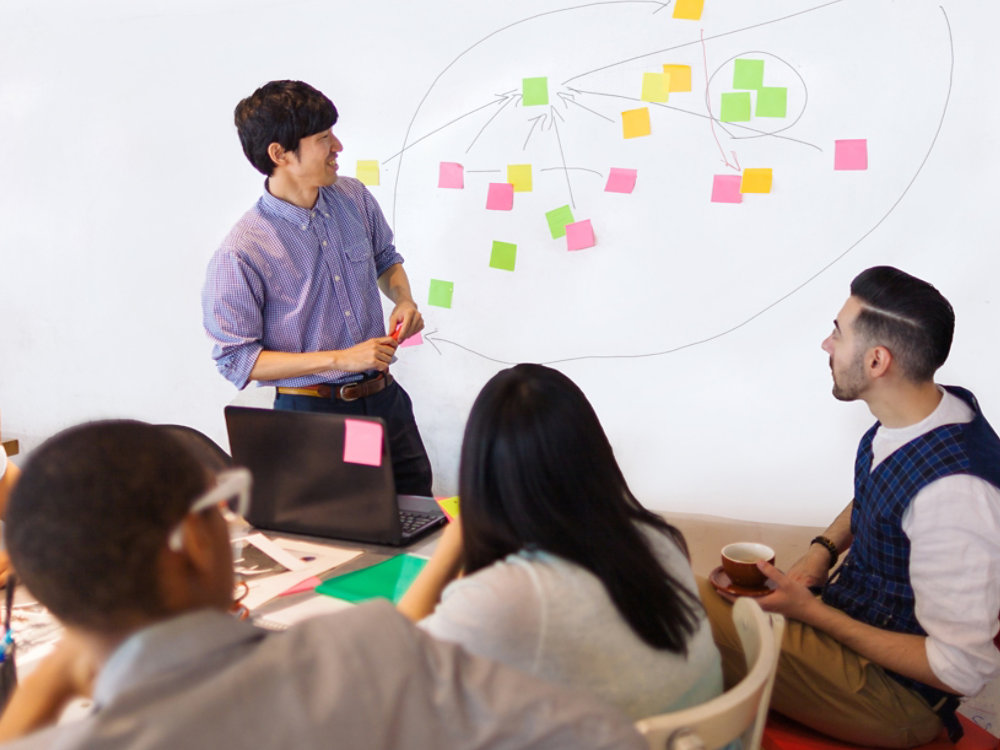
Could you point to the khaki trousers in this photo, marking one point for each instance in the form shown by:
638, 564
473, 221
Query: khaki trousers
827, 686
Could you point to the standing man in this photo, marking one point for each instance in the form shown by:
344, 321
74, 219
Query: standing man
291, 298
907, 623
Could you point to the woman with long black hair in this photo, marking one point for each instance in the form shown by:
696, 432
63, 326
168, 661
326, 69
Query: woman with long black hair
555, 567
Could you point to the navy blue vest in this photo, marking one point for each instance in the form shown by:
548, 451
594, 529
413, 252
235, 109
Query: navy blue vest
873, 584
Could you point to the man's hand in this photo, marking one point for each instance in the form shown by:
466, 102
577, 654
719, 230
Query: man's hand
813, 568
373, 354
408, 317
791, 598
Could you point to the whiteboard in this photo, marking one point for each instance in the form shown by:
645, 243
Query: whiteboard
692, 325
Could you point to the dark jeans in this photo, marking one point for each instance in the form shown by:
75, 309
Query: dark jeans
410, 465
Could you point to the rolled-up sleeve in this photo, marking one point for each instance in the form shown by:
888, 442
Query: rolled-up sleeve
232, 304
383, 249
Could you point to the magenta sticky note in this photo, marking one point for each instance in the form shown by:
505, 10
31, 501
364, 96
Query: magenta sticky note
414, 340
621, 180
307, 585
579, 234
726, 188
451, 175
500, 197
851, 154
362, 442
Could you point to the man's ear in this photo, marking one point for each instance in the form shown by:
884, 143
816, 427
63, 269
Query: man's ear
278, 154
877, 361
187, 571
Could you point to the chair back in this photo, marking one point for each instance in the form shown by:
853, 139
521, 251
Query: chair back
739, 712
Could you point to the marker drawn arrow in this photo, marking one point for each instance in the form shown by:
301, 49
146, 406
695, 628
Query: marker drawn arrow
571, 99
503, 106
711, 117
534, 122
562, 156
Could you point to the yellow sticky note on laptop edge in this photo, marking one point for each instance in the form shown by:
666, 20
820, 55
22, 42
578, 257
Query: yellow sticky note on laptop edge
756, 181
449, 506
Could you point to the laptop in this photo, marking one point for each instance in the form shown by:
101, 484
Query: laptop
303, 485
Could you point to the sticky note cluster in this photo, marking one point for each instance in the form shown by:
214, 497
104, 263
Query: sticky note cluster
748, 84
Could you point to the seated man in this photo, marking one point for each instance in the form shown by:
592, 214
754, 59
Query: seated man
115, 527
907, 623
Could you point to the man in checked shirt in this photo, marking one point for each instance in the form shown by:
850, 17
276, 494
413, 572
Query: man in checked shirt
291, 297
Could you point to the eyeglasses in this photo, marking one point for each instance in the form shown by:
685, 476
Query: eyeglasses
230, 484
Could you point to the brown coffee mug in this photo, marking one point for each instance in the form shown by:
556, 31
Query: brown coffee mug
739, 560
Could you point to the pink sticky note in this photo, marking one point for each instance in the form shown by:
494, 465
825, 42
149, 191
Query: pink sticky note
579, 234
414, 340
726, 188
621, 180
307, 585
500, 197
451, 175
362, 442
851, 154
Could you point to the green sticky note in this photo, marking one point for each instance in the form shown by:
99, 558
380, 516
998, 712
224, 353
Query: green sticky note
503, 255
387, 580
534, 91
748, 74
772, 101
440, 294
558, 218
735, 107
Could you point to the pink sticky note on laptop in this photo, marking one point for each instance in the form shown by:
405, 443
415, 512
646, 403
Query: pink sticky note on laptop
362, 442
851, 154
621, 180
413, 340
451, 175
579, 235
500, 197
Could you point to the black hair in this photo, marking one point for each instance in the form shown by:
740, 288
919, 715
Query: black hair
282, 112
90, 515
537, 472
906, 315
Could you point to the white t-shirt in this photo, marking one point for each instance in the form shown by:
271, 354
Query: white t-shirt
953, 525
554, 619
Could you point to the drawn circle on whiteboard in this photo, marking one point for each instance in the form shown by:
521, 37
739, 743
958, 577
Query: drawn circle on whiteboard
778, 73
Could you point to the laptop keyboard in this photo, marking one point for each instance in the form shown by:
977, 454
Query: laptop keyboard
411, 522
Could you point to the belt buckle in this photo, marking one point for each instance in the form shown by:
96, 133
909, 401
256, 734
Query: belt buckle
343, 394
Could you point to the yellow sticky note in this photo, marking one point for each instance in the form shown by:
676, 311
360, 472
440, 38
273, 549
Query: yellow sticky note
756, 181
635, 122
519, 175
689, 10
368, 171
680, 77
655, 87
449, 506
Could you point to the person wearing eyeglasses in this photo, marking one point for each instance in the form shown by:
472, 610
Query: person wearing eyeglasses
116, 528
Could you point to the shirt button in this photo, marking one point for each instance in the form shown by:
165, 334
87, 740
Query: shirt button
327, 215
313, 214
336, 278
347, 313
304, 227
324, 243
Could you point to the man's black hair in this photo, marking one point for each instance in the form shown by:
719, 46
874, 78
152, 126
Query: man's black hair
90, 515
908, 316
282, 112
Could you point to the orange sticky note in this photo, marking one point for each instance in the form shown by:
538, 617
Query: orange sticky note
519, 175
756, 181
689, 10
362, 442
680, 77
635, 122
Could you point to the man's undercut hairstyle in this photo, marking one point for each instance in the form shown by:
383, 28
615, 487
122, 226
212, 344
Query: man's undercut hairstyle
906, 315
88, 519
282, 112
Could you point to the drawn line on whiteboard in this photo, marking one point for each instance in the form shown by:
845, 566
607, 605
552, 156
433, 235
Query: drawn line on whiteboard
406, 136
760, 133
698, 41
572, 100
492, 118
711, 117
809, 280
579, 169
562, 156
501, 98
763, 133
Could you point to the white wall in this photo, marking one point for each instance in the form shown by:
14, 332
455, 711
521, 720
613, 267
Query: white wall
122, 172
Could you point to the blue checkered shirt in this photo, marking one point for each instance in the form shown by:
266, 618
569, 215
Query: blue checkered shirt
290, 279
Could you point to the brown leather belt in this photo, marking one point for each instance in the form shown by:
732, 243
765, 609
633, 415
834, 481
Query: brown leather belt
345, 392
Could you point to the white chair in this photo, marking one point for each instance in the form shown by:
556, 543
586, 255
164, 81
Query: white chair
739, 712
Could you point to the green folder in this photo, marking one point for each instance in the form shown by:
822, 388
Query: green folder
387, 580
